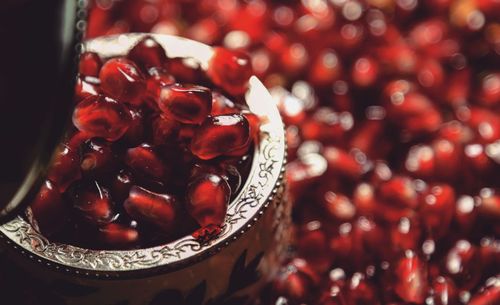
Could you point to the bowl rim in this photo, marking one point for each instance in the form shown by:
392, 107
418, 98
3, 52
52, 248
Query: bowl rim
260, 189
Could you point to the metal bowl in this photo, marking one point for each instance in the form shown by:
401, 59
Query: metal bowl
230, 268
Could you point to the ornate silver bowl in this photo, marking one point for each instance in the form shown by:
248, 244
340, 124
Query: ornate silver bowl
230, 268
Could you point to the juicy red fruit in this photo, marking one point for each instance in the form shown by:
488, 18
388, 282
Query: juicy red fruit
101, 116
230, 70
92, 202
220, 135
148, 53
90, 64
154, 208
122, 80
207, 199
188, 104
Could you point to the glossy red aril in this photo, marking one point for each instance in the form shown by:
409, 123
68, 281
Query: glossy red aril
118, 235
220, 135
410, 278
122, 80
463, 264
120, 185
143, 160
360, 290
154, 208
92, 202
157, 79
148, 53
90, 64
188, 104
230, 70
97, 157
490, 204
207, 199
65, 167
100, 116
49, 209
135, 131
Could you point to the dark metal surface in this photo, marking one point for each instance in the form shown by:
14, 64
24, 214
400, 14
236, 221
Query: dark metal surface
37, 71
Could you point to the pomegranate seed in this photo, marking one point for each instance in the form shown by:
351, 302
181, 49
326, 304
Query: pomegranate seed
410, 278
163, 129
154, 208
142, 160
327, 126
48, 209
406, 234
157, 79
121, 184
490, 204
364, 72
230, 70
101, 116
219, 135
487, 295
436, 209
65, 167
135, 132
338, 207
305, 172
361, 291
148, 53
207, 199
90, 64
342, 163
489, 94
92, 202
443, 292
466, 212
118, 235
97, 157
312, 245
186, 103
463, 265
184, 69
296, 281
222, 105
122, 80
325, 69
399, 192
85, 87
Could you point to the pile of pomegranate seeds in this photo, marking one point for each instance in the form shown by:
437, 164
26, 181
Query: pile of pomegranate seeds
393, 126
151, 157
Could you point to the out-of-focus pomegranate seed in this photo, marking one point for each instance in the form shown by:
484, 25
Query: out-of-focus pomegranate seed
443, 292
489, 294
463, 265
312, 245
410, 278
296, 281
436, 208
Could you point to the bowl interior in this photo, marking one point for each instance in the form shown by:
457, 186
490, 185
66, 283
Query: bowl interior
261, 185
